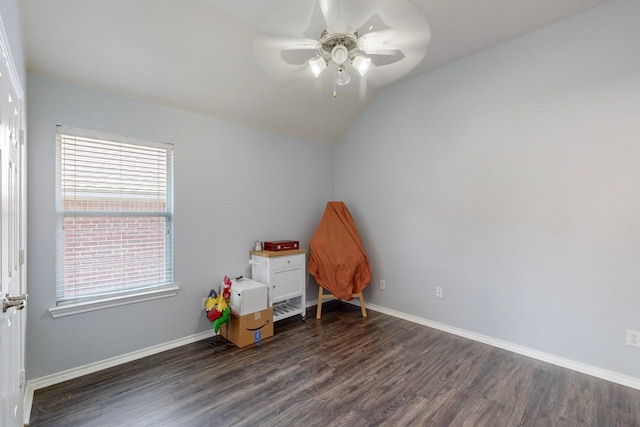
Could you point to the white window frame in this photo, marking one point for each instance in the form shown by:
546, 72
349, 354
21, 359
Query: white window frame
130, 296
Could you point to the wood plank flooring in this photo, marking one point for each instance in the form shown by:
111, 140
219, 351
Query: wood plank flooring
342, 370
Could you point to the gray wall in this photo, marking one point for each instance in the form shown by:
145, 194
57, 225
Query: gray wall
233, 185
511, 178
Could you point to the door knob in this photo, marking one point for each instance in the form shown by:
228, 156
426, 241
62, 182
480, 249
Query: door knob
22, 297
6, 305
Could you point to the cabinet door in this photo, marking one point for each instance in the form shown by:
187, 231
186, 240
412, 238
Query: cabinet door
287, 283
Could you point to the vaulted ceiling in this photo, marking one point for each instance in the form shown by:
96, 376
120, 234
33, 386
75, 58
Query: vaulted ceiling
200, 55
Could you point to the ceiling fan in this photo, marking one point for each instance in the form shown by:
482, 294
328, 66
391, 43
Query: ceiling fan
378, 40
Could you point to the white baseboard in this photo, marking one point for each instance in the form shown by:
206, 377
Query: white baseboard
604, 374
48, 380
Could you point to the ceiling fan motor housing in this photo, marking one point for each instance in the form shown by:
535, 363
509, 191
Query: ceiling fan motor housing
338, 47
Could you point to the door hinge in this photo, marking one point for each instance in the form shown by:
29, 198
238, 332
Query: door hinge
21, 136
21, 257
22, 378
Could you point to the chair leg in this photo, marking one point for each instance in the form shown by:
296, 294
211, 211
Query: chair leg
322, 296
362, 307
320, 299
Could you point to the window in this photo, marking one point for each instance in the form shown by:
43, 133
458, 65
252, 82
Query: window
115, 216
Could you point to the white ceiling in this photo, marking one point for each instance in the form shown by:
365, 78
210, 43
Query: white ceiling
198, 55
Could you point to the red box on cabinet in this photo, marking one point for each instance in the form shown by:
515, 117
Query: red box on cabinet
281, 245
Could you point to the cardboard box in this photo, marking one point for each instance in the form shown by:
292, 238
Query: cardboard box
250, 328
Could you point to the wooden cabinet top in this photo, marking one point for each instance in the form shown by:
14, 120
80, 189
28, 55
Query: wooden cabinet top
273, 254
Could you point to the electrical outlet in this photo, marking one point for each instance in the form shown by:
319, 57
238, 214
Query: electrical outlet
383, 284
633, 338
204, 303
439, 292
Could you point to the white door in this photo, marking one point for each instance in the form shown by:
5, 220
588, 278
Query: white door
12, 313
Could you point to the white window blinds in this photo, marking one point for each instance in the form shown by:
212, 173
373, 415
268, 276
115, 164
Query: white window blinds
115, 213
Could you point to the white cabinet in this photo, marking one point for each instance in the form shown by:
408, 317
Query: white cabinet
285, 273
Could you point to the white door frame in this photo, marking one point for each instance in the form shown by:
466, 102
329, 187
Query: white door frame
18, 240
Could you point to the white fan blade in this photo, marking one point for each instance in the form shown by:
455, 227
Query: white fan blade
396, 39
407, 32
374, 23
280, 56
387, 52
317, 23
284, 43
345, 16
388, 57
334, 16
330, 12
380, 75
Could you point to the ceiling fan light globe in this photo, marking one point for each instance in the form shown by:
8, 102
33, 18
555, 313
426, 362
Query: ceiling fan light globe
361, 63
342, 78
317, 65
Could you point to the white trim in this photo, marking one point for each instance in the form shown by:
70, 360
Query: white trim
13, 71
48, 380
6, 53
615, 377
86, 306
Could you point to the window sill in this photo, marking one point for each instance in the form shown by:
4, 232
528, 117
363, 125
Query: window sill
86, 306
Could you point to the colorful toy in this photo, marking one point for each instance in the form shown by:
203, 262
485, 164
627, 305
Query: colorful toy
217, 305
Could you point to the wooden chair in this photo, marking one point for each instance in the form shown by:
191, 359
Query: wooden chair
322, 296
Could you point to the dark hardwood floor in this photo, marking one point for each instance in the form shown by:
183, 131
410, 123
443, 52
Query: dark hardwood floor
343, 370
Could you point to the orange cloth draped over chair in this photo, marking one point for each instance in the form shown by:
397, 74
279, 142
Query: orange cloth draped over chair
337, 259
